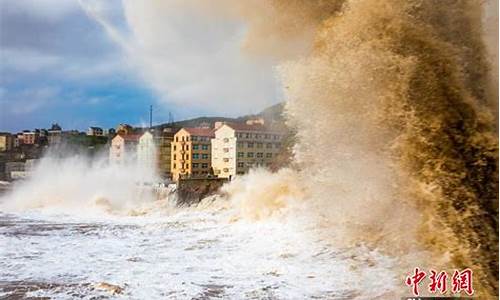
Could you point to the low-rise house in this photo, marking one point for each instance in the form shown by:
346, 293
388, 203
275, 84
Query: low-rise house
191, 153
123, 148
95, 131
237, 148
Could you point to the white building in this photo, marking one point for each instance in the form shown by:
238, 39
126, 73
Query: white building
237, 148
95, 131
146, 152
123, 148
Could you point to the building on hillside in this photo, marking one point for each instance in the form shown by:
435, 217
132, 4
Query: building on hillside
146, 152
124, 129
111, 132
30, 137
95, 131
163, 142
237, 148
54, 135
123, 148
191, 153
6, 141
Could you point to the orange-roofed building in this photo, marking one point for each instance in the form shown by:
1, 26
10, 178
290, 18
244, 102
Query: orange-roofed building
123, 148
191, 153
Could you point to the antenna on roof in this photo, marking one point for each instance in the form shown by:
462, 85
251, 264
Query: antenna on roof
150, 116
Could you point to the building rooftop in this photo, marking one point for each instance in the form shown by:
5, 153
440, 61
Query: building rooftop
200, 131
251, 127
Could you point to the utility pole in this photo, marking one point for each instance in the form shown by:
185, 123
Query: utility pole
150, 116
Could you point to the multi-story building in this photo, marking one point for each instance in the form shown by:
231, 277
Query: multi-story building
237, 148
54, 134
29, 137
95, 131
146, 152
123, 148
6, 141
163, 143
191, 153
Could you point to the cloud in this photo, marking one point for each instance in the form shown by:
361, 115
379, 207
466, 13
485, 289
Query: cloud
27, 101
190, 58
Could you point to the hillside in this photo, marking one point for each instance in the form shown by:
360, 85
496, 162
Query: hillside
272, 115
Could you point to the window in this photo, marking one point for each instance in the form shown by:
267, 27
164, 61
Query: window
226, 150
247, 135
204, 156
250, 154
278, 145
269, 155
175, 157
175, 147
250, 145
226, 140
196, 147
187, 147
204, 166
269, 145
241, 165
260, 154
241, 144
276, 137
204, 147
175, 166
196, 156
194, 138
226, 159
226, 170
267, 136
241, 154
259, 145
196, 165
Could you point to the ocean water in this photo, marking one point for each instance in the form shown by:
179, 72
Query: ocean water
191, 253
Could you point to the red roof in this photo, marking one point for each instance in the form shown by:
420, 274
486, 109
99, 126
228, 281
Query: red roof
200, 131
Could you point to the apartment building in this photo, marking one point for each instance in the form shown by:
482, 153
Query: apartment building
146, 152
6, 141
123, 148
236, 148
163, 142
191, 153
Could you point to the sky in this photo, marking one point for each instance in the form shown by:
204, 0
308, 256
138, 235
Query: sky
101, 63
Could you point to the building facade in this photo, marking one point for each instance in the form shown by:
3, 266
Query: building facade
29, 137
95, 131
163, 142
6, 141
123, 149
146, 152
237, 148
191, 153
54, 135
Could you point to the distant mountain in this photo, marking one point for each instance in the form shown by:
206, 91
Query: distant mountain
272, 115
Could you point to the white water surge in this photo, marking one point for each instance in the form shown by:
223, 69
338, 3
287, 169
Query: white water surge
58, 241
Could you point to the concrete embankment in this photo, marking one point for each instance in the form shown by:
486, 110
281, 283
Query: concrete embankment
192, 191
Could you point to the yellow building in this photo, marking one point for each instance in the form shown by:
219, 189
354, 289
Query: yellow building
6, 141
164, 144
191, 153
